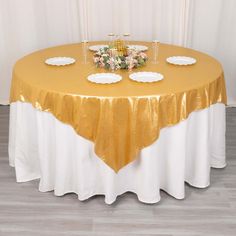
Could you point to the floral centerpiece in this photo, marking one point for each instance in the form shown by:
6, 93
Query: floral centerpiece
114, 59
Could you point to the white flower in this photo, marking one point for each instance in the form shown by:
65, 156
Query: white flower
105, 55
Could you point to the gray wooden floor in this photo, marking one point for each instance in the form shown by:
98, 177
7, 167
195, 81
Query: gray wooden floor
25, 211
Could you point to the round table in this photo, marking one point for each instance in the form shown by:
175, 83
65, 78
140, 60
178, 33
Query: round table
115, 123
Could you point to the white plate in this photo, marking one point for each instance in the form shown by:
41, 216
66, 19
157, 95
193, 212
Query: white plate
95, 48
147, 77
104, 78
138, 47
60, 61
181, 60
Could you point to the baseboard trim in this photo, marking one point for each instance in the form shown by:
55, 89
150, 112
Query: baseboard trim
4, 103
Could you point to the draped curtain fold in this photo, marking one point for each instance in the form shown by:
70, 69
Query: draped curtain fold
205, 25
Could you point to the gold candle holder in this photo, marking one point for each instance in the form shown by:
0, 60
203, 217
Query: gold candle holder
119, 44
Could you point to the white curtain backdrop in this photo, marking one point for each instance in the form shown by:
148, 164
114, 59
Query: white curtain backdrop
29, 25
205, 25
212, 29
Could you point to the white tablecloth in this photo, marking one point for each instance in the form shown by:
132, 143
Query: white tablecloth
42, 147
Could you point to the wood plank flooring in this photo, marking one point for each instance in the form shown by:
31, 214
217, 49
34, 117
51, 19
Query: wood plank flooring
205, 212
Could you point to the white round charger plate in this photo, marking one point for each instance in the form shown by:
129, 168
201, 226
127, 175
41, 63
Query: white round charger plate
146, 77
138, 47
181, 60
96, 48
60, 61
104, 78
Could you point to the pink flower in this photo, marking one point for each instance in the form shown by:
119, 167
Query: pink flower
110, 62
96, 59
143, 55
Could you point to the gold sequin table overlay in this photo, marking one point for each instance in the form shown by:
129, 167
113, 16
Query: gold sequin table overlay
120, 119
